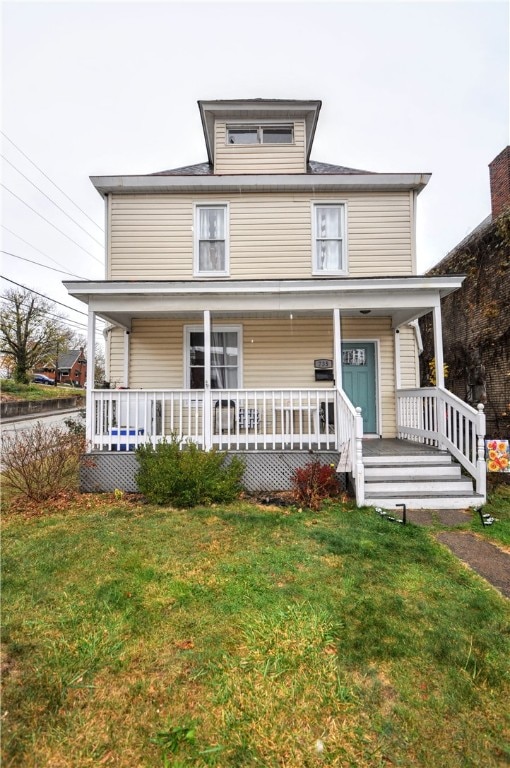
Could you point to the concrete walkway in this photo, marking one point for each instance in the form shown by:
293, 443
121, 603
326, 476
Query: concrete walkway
486, 559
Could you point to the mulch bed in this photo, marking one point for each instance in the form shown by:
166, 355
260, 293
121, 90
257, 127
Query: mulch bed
483, 557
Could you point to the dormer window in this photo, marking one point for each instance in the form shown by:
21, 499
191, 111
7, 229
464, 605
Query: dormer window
260, 134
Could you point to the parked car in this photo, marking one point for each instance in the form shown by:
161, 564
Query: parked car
40, 378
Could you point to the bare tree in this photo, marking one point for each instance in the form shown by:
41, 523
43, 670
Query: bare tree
29, 335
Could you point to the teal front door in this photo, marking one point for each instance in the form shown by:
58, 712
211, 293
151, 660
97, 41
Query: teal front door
358, 379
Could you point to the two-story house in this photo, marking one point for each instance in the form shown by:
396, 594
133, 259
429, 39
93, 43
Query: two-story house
267, 304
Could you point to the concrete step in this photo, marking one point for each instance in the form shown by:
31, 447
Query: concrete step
412, 471
432, 459
425, 501
410, 486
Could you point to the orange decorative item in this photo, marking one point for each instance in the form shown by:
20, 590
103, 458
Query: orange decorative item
498, 455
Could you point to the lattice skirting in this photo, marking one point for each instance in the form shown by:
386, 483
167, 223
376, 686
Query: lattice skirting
265, 470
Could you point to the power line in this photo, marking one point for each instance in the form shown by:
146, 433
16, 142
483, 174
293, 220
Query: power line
64, 321
51, 201
50, 223
51, 180
43, 296
38, 250
63, 271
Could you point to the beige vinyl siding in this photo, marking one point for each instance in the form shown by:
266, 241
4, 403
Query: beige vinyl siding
277, 353
115, 354
156, 354
280, 352
270, 234
259, 158
409, 365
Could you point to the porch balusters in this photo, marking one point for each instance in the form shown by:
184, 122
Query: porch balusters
435, 416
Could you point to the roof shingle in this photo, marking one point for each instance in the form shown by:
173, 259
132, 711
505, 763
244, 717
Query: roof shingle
313, 168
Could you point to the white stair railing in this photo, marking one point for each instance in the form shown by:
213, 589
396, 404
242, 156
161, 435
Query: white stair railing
435, 416
349, 443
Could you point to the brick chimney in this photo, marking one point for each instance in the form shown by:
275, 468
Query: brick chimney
499, 171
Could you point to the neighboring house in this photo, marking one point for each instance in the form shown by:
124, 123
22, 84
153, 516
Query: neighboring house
476, 321
71, 368
266, 304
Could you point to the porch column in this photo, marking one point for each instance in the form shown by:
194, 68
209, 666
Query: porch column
126, 358
91, 367
398, 373
337, 348
207, 410
438, 345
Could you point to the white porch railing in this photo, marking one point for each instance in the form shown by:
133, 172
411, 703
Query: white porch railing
437, 417
349, 441
237, 419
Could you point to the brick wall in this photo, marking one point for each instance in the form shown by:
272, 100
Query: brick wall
476, 324
499, 171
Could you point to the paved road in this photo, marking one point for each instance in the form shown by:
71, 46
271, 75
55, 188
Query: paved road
19, 424
22, 423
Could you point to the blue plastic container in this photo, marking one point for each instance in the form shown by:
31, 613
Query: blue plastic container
125, 432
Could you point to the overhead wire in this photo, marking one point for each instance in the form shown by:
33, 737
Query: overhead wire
38, 250
51, 181
79, 311
63, 320
45, 266
51, 200
50, 223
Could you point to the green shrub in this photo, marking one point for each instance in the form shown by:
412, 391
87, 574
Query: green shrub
184, 475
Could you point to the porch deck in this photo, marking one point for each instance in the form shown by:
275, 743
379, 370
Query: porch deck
381, 447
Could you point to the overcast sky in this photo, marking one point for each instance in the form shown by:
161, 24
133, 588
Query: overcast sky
98, 88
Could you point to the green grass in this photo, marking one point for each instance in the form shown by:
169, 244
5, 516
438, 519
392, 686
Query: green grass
37, 391
498, 505
246, 636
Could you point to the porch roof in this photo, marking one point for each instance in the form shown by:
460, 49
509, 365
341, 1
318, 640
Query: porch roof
402, 298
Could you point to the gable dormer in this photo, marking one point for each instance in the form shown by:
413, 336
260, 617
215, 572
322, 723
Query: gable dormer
251, 136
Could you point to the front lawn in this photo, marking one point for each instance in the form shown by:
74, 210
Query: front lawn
136, 636
11, 390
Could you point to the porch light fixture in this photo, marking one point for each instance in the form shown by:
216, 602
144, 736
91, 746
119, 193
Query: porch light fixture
365, 311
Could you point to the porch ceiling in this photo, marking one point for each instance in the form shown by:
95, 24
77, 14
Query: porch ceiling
402, 298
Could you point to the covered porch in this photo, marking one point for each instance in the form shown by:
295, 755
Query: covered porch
307, 410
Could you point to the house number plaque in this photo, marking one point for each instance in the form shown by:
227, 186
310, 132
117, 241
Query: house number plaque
323, 363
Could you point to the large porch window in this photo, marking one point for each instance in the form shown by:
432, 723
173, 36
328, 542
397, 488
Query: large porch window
225, 357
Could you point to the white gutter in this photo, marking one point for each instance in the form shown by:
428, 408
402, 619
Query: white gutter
262, 182
445, 284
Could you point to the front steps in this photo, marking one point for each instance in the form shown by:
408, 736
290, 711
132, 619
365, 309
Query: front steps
425, 481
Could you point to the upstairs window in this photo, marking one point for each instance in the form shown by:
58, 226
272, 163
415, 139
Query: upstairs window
329, 238
260, 134
211, 240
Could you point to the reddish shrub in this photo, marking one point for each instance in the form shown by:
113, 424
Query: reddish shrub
313, 483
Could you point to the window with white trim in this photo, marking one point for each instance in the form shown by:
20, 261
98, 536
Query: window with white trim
225, 357
260, 134
211, 240
329, 238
